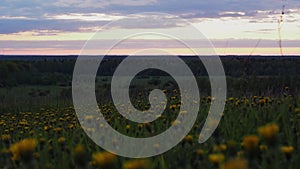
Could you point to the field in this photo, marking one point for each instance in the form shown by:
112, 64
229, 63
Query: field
260, 127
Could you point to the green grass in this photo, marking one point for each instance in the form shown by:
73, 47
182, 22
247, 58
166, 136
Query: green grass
242, 117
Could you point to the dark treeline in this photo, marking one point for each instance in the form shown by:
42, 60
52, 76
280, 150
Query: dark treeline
243, 74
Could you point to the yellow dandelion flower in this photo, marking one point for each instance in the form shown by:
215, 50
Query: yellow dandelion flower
223, 147
71, 126
103, 159
80, 156
175, 122
250, 143
58, 129
31, 132
216, 158
188, 138
263, 147
137, 164
297, 110
200, 152
61, 140
237, 163
240, 154
269, 131
36, 155
5, 137
173, 107
287, 149
216, 148
78, 150
23, 150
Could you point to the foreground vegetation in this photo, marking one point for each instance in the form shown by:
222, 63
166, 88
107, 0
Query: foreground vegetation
258, 132
260, 127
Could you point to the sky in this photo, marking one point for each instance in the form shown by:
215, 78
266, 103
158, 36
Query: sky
62, 27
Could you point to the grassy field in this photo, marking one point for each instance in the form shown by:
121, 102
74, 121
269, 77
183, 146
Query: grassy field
260, 127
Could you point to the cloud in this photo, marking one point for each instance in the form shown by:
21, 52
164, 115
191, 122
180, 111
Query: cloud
101, 3
86, 15
9, 26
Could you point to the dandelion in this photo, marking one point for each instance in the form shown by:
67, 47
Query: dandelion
231, 147
6, 138
200, 152
263, 147
216, 148
103, 160
297, 110
175, 122
216, 158
36, 155
188, 138
223, 147
240, 154
58, 129
61, 140
237, 163
137, 164
31, 132
80, 156
140, 126
172, 107
127, 128
23, 150
269, 132
287, 150
250, 143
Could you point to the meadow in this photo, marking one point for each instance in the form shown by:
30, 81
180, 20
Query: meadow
260, 127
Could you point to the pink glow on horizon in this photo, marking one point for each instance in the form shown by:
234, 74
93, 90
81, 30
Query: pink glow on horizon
178, 51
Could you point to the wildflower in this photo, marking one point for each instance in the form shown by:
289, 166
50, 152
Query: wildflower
31, 132
127, 128
80, 156
175, 122
216, 158
231, 147
200, 152
58, 129
5, 137
23, 150
287, 150
46, 128
297, 110
188, 138
240, 154
137, 164
263, 147
5, 153
216, 148
61, 140
103, 159
140, 126
237, 163
89, 118
250, 143
36, 155
71, 126
172, 107
223, 147
269, 132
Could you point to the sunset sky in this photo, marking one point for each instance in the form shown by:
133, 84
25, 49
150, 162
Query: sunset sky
245, 27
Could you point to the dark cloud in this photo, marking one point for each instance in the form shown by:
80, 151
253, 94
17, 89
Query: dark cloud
8, 26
